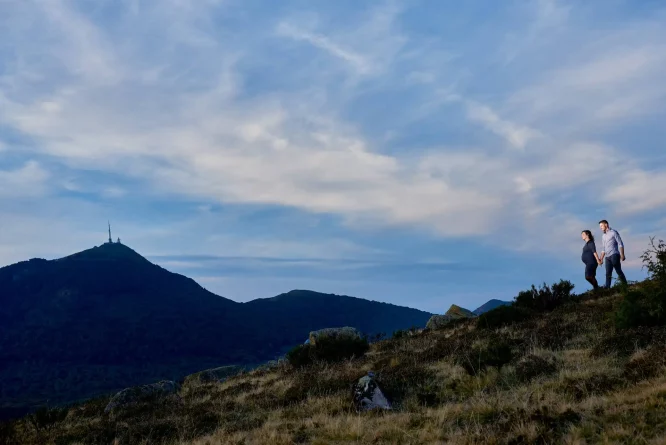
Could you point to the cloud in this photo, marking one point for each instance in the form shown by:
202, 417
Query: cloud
638, 191
26, 181
516, 135
261, 119
324, 43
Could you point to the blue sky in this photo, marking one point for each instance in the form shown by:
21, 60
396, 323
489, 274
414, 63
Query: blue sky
422, 153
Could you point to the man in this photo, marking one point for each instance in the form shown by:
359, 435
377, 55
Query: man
613, 251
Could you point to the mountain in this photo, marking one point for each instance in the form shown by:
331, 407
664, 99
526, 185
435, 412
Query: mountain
490, 305
107, 318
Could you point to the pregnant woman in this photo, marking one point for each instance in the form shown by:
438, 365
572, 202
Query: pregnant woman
590, 258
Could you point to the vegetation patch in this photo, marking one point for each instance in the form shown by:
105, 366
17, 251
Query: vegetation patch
504, 316
327, 349
495, 352
645, 364
532, 366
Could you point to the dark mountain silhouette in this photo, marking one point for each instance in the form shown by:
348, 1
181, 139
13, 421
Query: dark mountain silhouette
489, 306
107, 318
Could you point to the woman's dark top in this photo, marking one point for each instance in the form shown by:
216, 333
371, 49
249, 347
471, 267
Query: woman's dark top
588, 253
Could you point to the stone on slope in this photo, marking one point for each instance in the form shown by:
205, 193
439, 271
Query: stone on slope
454, 313
153, 392
368, 396
335, 333
438, 322
459, 312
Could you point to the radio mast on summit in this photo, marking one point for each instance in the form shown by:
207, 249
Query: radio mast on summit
110, 239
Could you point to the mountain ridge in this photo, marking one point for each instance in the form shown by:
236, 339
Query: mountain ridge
106, 318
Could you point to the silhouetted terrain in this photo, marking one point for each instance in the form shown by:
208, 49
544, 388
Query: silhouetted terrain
106, 318
489, 306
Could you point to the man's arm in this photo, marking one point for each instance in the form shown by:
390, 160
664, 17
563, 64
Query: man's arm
603, 251
620, 245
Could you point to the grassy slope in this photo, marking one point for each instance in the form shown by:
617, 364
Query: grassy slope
594, 385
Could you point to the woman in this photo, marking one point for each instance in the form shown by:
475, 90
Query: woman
590, 258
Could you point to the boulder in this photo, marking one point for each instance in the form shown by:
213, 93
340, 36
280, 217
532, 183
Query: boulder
141, 394
459, 312
438, 322
368, 396
336, 333
454, 313
214, 375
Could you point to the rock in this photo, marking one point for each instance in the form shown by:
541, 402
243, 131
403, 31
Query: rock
337, 333
214, 375
459, 312
438, 321
141, 394
368, 396
454, 313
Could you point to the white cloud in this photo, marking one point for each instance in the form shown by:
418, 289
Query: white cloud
637, 191
516, 135
180, 115
26, 181
324, 43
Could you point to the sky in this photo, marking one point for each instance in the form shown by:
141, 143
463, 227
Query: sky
422, 153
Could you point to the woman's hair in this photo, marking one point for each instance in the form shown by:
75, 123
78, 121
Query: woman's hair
589, 234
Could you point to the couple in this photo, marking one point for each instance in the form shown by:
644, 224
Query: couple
613, 251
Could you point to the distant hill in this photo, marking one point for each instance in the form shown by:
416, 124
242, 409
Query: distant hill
490, 305
107, 318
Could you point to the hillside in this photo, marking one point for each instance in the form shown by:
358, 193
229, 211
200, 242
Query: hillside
566, 375
106, 318
489, 306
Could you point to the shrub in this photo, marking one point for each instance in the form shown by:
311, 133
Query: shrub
496, 353
7, 433
532, 366
646, 305
327, 349
45, 418
503, 316
545, 298
400, 333
299, 356
403, 333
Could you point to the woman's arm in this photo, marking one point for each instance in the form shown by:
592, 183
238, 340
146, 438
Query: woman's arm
594, 248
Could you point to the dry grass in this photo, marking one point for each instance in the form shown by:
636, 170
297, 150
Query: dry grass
570, 378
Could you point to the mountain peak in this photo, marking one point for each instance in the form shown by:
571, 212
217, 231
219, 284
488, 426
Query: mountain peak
107, 251
490, 305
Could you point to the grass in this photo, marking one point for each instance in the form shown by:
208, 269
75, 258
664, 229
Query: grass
563, 376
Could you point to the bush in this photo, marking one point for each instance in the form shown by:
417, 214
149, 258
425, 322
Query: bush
299, 356
496, 353
44, 418
646, 305
545, 298
503, 316
532, 366
327, 349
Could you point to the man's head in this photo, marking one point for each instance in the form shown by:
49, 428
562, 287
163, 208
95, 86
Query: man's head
603, 224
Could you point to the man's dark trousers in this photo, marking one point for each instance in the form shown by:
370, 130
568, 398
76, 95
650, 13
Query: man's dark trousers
614, 261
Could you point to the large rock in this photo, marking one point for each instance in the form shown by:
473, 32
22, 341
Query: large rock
459, 312
336, 333
454, 313
142, 394
368, 396
438, 321
214, 375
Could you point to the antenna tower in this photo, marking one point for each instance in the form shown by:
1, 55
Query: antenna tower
110, 239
